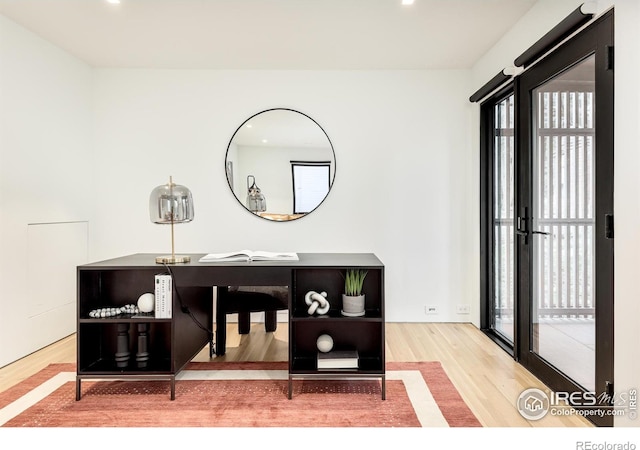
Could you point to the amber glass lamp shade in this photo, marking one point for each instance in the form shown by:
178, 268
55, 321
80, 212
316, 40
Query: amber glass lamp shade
170, 204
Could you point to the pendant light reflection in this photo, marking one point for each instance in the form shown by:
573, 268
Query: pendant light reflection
255, 198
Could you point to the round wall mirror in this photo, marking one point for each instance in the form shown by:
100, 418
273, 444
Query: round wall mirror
280, 164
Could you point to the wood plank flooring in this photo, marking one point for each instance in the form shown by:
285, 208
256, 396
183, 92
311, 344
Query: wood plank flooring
488, 378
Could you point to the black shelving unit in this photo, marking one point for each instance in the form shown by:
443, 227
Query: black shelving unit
365, 334
109, 347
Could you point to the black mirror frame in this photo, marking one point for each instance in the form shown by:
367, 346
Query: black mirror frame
226, 165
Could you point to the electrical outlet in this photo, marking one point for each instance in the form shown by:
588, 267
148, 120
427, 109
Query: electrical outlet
463, 309
431, 309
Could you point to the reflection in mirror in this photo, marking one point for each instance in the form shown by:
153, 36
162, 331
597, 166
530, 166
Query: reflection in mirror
280, 164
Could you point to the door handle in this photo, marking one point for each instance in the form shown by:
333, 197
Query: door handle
541, 232
521, 225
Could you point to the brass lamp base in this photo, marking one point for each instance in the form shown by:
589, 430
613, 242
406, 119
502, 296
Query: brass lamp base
172, 259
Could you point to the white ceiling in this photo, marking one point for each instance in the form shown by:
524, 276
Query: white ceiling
271, 34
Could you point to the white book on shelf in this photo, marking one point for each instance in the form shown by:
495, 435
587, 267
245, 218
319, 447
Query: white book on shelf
338, 359
164, 297
250, 255
158, 310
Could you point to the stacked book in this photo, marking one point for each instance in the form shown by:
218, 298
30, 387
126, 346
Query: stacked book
338, 359
164, 297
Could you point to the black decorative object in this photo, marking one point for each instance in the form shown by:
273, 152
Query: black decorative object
142, 356
122, 346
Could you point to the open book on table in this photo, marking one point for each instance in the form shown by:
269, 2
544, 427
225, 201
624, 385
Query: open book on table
249, 255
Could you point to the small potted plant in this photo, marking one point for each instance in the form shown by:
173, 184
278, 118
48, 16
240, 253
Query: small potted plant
353, 297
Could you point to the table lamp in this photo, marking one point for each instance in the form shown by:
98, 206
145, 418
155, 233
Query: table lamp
255, 198
168, 204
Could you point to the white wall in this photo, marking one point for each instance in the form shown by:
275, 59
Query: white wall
403, 165
45, 142
627, 161
626, 203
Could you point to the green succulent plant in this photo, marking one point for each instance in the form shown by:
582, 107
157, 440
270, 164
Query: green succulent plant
353, 281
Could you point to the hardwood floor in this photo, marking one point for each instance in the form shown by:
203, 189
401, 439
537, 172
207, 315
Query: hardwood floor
488, 379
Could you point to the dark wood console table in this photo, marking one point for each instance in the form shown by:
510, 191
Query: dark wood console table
131, 347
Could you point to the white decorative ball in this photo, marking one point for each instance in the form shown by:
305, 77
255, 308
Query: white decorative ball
324, 343
146, 302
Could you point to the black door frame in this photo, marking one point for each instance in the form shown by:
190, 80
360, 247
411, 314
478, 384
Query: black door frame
597, 39
487, 164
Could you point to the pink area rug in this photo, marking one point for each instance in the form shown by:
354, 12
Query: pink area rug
246, 394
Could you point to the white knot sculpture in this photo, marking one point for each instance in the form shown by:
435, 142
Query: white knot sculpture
317, 302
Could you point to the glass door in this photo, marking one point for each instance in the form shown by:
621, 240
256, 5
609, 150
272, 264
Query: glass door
563, 222
502, 220
565, 215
